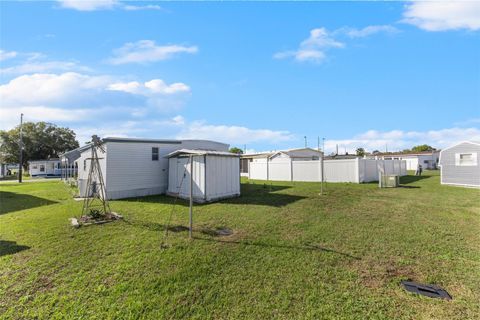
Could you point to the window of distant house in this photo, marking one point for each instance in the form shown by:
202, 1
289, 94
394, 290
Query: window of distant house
466, 159
154, 154
42, 168
425, 161
34, 167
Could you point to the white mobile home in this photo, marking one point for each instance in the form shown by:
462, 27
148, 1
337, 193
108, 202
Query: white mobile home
136, 167
216, 174
45, 168
427, 159
459, 164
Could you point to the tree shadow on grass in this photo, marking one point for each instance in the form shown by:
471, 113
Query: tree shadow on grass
11, 201
306, 247
412, 179
256, 194
10, 247
264, 195
154, 226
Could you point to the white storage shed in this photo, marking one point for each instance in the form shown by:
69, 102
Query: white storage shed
216, 174
460, 164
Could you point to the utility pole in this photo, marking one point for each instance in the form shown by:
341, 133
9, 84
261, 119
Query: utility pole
323, 175
318, 143
21, 150
305, 137
191, 199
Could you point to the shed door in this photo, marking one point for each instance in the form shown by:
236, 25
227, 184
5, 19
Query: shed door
183, 176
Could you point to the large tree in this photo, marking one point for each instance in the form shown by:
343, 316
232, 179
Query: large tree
423, 147
360, 152
41, 140
236, 150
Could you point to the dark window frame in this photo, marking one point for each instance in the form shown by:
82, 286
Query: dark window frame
155, 153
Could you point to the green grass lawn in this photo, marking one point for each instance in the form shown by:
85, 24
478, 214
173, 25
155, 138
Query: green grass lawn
293, 255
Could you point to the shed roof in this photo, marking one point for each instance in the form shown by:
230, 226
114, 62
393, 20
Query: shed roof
198, 152
459, 143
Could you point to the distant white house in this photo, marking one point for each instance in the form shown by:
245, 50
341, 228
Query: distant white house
459, 164
300, 154
44, 168
215, 174
427, 159
136, 167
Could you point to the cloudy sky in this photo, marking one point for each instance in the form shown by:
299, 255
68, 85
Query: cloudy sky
264, 75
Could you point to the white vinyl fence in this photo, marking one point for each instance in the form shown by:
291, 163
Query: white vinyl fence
349, 170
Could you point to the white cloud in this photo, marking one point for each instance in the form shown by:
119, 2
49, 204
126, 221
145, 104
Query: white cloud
88, 5
232, 134
145, 51
145, 7
159, 86
155, 86
74, 97
367, 31
45, 88
313, 48
397, 140
93, 5
443, 15
43, 66
4, 55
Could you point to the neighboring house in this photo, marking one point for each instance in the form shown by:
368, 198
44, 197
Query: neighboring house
245, 159
43, 168
460, 165
427, 159
136, 167
300, 154
215, 174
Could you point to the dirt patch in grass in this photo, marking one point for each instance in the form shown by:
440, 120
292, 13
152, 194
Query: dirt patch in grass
374, 274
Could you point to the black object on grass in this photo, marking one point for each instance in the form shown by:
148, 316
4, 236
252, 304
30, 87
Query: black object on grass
428, 290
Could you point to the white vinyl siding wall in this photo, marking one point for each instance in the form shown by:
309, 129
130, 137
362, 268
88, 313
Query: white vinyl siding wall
214, 177
347, 170
454, 172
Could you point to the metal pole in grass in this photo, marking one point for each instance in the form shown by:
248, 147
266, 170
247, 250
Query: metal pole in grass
322, 166
191, 198
21, 150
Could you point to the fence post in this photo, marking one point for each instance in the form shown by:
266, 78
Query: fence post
291, 170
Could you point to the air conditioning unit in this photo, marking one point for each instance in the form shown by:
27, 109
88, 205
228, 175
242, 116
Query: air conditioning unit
389, 181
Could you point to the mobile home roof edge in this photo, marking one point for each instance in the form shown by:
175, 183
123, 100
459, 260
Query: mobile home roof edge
167, 141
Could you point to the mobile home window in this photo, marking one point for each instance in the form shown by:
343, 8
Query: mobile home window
154, 154
466, 159
42, 168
